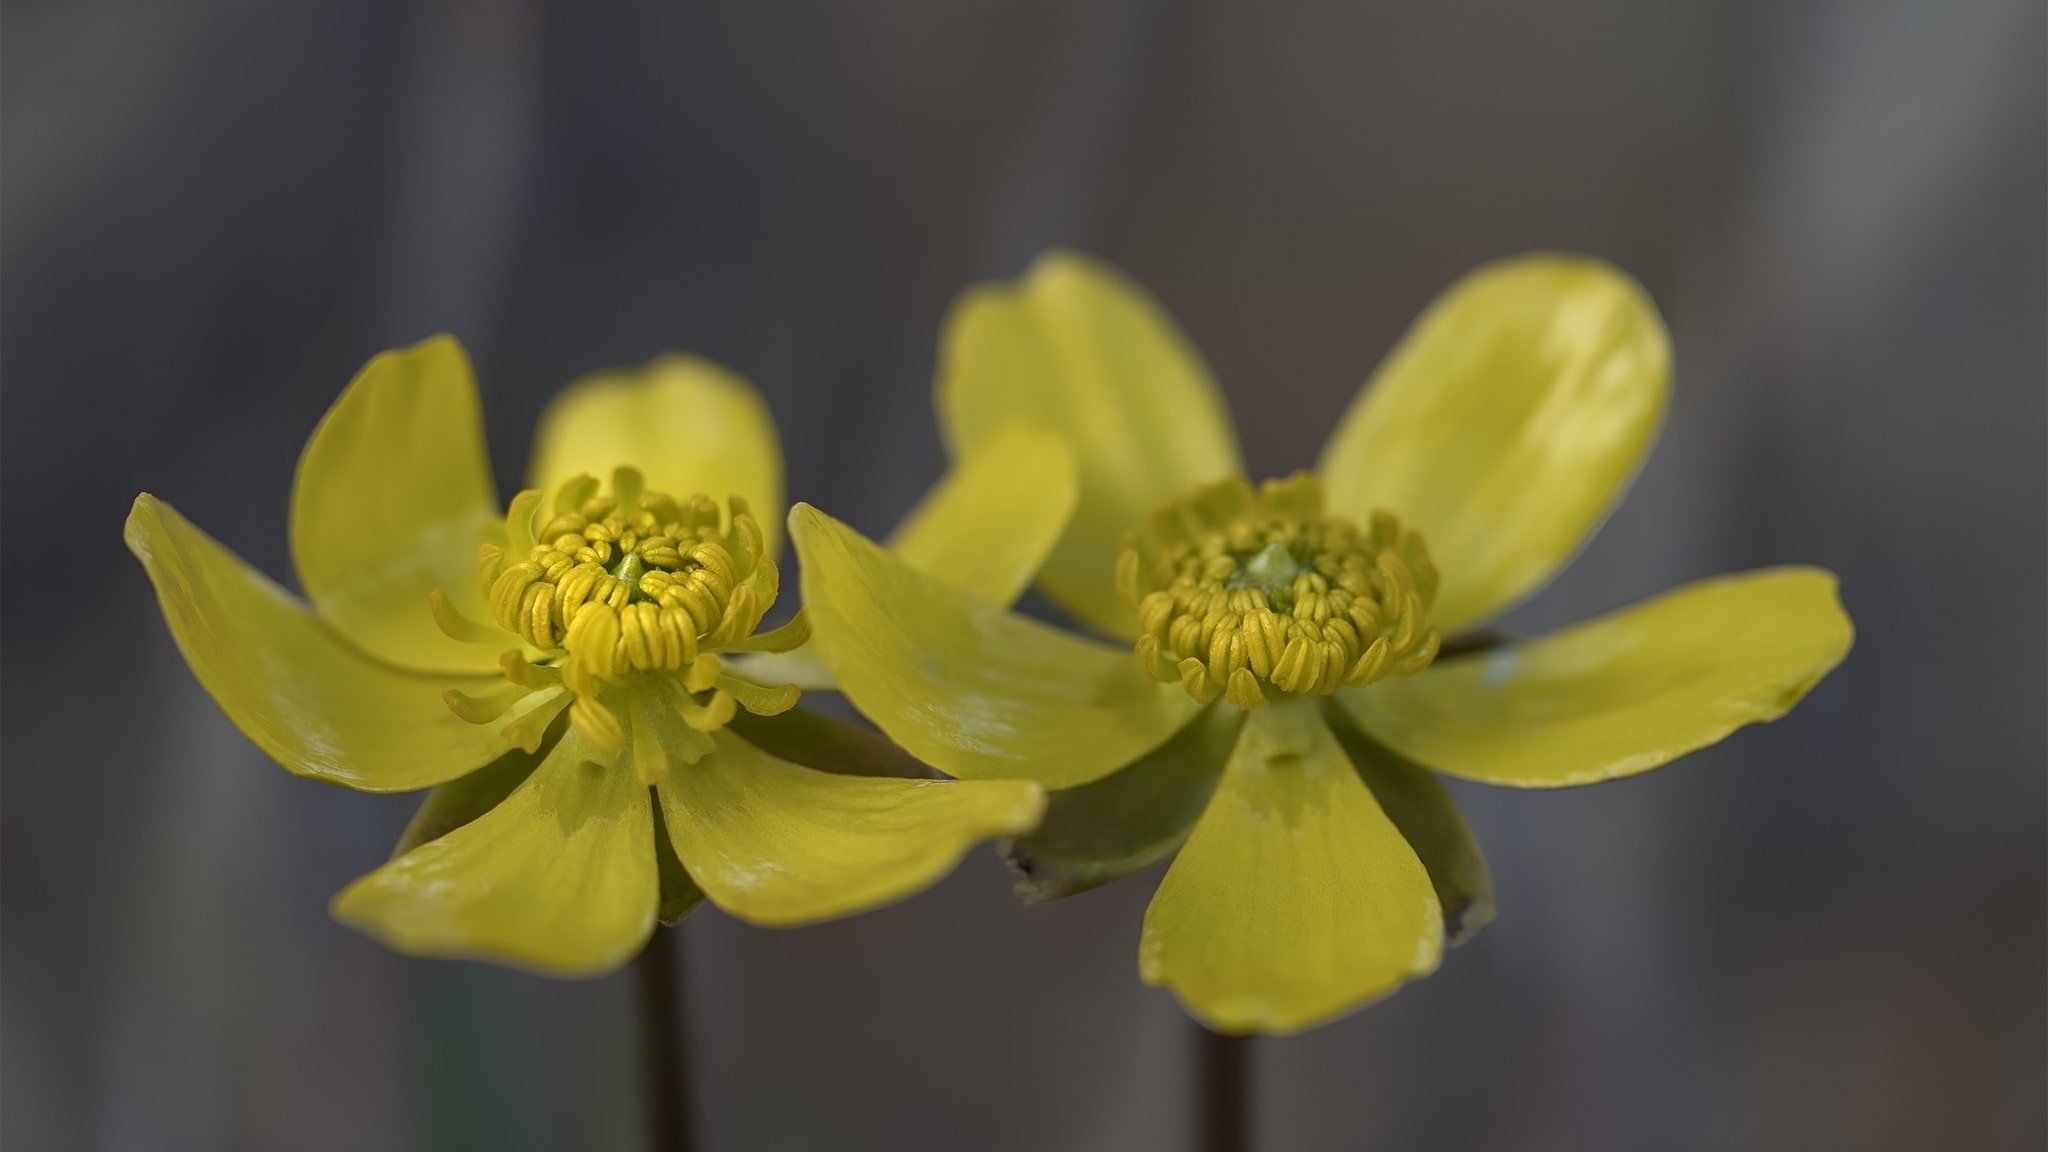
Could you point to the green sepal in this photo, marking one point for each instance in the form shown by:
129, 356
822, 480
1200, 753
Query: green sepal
1422, 809
450, 806
816, 740
1128, 820
679, 893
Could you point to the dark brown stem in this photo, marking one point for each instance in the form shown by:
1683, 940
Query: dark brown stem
1223, 1107
664, 1071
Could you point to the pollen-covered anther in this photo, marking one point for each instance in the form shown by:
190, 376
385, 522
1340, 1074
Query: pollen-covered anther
1241, 593
623, 587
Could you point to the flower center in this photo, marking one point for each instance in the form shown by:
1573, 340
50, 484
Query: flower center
1240, 591
657, 580
624, 599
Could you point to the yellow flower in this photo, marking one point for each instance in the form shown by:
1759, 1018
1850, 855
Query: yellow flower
1272, 717
561, 671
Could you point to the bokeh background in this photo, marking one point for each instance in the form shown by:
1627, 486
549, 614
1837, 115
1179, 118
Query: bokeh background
1827, 933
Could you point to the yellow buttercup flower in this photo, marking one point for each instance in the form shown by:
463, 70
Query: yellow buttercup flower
570, 676
1283, 689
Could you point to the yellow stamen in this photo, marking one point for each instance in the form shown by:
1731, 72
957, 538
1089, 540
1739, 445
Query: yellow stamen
457, 626
622, 599
486, 708
760, 699
1239, 592
787, 638
531, 727
712, 714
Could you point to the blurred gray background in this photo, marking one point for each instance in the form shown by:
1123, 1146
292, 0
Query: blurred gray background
1823, 934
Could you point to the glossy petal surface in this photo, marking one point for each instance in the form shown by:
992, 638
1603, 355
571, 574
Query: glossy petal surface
965, 686
559, 878
1426, 816
1621, 693
1128, 820
687, 424
776, 843
990, 522
1506, 423
391, 499
1078, 349
1296, 898
316, 704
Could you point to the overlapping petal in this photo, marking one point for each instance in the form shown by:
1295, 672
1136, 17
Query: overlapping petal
988, 524
1296, 898
965, 686
1621, 693
1078, 349
313, 702
560, 877
1506, 423
819, 741
1422, 809
687, 424
1128, 820
392, 497
778, 844
449, 806
680, 894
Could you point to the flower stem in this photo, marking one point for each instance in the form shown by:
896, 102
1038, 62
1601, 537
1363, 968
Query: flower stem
1223, 1103
664, 1070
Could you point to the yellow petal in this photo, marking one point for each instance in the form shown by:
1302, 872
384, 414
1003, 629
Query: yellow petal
560, 878
1078, 349
316, 705
1295, 899
965, 686
449, 806
392, 497
1415, 799
1621, 693
687, 424
1506, 423
988, 525
778, 844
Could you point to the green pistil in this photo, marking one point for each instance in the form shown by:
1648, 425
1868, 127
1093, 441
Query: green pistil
630, 570
1272, 571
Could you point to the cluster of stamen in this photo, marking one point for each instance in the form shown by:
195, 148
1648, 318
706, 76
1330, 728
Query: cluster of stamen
624, 598
662, 580
1240, 591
